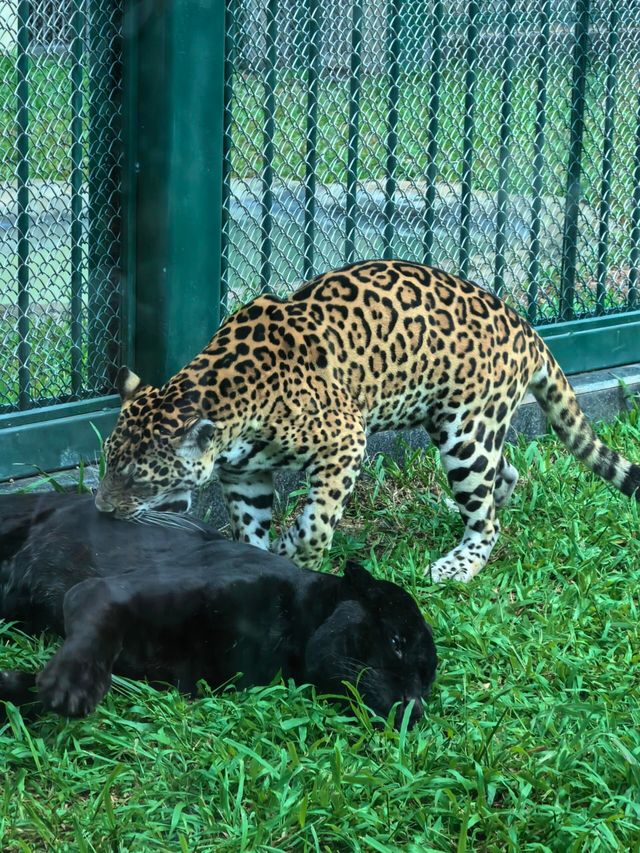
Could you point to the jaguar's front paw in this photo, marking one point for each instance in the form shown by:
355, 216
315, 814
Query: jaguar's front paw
305, 558
73, 684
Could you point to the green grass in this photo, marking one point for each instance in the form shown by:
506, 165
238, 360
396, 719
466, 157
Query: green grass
531, 739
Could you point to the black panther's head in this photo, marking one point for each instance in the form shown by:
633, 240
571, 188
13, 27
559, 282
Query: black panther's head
376, 639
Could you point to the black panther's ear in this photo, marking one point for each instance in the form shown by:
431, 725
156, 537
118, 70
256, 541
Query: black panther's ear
357, 576
127, 383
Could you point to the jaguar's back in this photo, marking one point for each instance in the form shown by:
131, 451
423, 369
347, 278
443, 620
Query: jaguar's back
297, 383
397, 334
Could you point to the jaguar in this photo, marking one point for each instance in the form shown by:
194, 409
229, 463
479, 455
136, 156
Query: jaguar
179, 604
299, 382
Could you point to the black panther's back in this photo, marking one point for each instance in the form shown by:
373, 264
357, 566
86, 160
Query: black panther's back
50, 542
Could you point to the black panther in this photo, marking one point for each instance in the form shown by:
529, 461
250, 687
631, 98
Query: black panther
176, 604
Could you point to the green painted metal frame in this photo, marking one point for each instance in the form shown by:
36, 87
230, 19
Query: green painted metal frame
311, 151
353, 141
177, 180
230, 49
538, 160
54, 437
634, 255
595, 343
268, 150
471, 58
607, 157
102, 185
394, 36
433, 126
504, 151
77, 73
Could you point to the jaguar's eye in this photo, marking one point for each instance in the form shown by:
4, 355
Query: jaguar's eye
145, 490
125, 480
396, 645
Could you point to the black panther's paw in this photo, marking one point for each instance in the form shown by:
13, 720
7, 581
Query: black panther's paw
72, 684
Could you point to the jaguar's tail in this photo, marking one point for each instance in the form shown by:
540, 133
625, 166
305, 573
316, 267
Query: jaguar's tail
558, 401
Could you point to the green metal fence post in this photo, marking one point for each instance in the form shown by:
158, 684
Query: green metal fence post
538, 161
230, 37
128, 183
432, 129
394, 25
103, 203
607, 157
467, 136
574, 167
178, 179
22, 146
353, 130
634, 260
268, 147
504, 153
77, 27
311, 151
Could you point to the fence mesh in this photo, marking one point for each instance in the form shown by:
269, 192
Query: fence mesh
59, 200
497, 138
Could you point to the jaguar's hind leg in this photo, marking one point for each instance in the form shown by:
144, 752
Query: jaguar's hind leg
506, 480
471, 462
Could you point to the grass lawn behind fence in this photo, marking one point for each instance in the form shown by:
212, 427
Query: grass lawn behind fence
531, 739
413, 128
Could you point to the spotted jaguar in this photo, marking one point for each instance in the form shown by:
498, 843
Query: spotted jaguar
298, 383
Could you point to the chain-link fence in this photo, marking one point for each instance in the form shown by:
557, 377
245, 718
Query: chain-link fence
498, 138
59, 200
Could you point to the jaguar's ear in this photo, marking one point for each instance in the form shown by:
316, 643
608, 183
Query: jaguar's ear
127, 383
196, 438
358, 578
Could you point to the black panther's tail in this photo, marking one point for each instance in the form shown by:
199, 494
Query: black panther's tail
20, 689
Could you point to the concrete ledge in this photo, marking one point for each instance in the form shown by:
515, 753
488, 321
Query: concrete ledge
602, 394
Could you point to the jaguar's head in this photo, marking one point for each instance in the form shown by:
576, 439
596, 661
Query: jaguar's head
159, 451
377, 640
